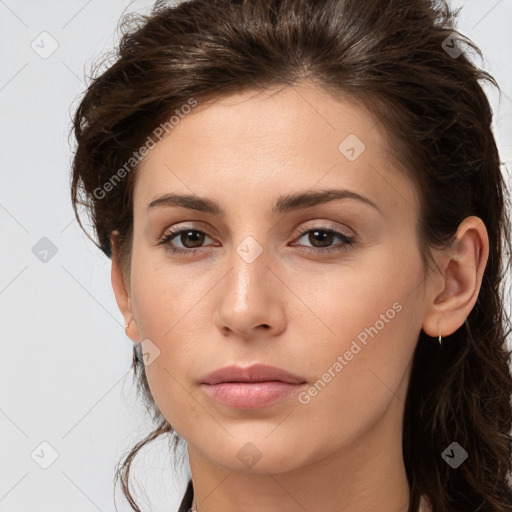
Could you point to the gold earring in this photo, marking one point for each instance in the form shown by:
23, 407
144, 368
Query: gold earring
127, 325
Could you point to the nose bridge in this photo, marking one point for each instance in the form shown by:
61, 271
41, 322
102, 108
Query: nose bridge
250, 250
247, 300
250, 266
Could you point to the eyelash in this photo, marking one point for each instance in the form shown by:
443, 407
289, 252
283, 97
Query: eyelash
348, 241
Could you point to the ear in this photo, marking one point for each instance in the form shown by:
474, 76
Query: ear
121, 291
454, 291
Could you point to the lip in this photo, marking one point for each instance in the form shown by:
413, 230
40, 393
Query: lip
252, 387
251, 395
255, 373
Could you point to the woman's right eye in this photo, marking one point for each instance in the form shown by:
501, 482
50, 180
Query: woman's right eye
182, 235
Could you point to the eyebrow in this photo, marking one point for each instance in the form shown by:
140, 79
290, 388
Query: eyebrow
283, 204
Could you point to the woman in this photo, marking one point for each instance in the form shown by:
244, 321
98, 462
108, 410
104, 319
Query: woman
305, 212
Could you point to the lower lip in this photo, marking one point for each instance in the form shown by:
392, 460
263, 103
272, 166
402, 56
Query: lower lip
251, 395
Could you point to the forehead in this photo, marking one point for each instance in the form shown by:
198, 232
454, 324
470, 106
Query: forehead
261, 143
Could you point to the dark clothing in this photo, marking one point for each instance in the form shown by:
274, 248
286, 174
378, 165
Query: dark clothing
188, 497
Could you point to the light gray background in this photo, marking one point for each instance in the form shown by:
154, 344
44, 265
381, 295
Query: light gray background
65, 364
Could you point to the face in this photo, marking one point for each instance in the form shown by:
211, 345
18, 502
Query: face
330, 290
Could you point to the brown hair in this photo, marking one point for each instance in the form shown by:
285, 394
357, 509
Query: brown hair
399, 59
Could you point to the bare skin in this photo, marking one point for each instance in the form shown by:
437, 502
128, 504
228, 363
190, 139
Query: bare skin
342, 450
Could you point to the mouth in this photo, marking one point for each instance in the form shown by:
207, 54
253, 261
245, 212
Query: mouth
253, 387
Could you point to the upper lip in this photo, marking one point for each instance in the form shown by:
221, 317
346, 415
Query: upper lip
255, 373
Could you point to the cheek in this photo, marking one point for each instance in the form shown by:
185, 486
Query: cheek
160, 292
172, 391
362, 329
166, 304
360, 300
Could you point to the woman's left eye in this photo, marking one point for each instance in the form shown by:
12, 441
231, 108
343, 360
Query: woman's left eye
322, 236
325, 236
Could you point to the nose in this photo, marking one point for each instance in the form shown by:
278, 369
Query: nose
251, 298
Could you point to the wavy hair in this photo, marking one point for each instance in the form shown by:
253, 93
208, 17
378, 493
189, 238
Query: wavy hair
403, 61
